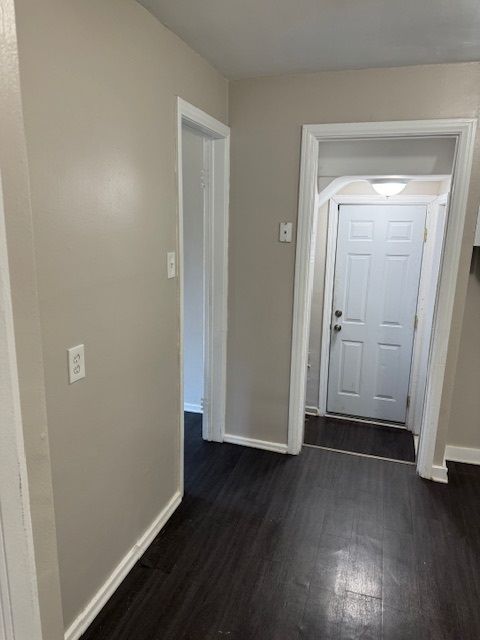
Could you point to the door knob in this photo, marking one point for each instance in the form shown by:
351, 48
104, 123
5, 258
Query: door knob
338, 313
337, 327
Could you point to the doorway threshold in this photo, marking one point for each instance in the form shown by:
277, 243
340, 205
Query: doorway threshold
345, 436
370, 421
359, 455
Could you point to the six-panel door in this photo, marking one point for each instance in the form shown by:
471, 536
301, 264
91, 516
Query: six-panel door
377, 273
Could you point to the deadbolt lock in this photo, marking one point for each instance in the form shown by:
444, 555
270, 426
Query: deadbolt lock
338, 313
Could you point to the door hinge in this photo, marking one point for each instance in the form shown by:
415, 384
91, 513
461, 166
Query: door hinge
415, 322
408, 402
425, 234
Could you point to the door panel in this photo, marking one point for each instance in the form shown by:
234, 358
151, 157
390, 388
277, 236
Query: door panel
356, 289
351, 367
388, 361
377, 272
395, 270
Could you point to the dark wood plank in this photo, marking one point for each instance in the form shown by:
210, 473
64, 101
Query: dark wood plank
375, 440
322, 545
362, 618
364, 569
323, 615
404, 624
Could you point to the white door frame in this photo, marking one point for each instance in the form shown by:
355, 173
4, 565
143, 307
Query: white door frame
429, 277
418, 367
215, 267
19, 606
463, 130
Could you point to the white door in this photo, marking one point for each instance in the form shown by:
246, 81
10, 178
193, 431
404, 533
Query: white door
377, 274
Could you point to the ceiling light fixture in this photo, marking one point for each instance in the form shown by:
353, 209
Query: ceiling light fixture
388, 186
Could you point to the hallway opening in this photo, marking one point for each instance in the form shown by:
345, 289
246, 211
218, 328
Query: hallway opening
203, 172
376, 271
332, 157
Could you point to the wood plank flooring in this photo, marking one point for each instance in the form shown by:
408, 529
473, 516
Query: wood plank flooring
321, 546
374, 440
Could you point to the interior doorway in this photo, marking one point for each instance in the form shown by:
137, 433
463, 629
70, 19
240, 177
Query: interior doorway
315, 191
399, 285
196, 150
381, 266
203, 146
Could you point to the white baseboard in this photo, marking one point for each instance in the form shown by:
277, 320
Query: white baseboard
193, 408
256, 444
467, 455
93, 608
312, 411
440, 473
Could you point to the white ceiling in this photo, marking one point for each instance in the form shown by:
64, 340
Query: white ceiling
244, 38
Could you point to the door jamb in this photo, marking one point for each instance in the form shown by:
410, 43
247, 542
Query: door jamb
332, 231
215, 269
428, 277
463, 130
334, 204
19, 604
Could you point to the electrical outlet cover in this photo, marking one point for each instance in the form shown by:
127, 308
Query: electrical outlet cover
76, 363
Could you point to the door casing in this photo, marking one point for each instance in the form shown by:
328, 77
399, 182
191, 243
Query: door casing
418, 366
215, 269
463, 131
19, 600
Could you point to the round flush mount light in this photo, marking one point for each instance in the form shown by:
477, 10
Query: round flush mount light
388, 186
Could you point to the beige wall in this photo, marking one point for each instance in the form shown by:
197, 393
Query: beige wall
266, 115
18, 220
464, 428
99, 83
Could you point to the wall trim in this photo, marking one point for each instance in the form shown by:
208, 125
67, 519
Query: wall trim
463, 130
19, 600
415, 442
439, 473
312, 411
332, 232
192, 408
93, 608
468, 455
435, 224
277, 447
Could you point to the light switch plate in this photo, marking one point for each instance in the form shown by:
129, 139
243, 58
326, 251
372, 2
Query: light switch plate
76, 363
285, 232
171, 265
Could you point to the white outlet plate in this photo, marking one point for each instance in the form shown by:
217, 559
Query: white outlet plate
171, 264
76, 363
285, 233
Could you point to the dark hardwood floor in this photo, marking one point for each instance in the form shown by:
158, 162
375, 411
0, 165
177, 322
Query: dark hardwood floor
321, 546
374, 440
